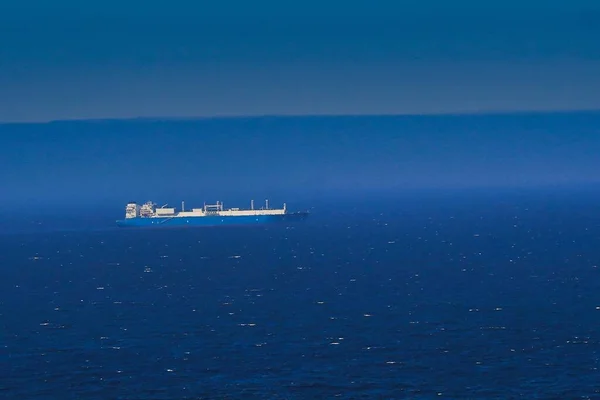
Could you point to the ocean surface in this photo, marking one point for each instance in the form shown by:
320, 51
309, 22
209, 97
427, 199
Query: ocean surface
492, 295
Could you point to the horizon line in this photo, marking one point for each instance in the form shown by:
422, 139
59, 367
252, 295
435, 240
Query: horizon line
312, 115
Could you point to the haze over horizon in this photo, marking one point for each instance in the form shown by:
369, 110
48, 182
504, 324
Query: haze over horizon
292, 158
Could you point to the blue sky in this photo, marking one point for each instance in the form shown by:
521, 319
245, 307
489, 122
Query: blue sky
111, 59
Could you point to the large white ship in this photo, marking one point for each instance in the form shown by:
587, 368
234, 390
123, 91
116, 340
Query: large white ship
148, 214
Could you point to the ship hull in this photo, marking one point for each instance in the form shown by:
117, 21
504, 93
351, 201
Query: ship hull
164, 222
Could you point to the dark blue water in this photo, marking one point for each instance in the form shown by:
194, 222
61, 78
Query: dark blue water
468, 296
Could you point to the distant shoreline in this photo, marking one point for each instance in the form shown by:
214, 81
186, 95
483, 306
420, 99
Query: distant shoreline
463, 114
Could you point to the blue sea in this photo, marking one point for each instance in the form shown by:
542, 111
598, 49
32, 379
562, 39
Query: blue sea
463, 295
